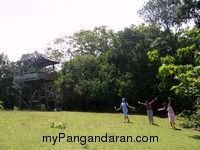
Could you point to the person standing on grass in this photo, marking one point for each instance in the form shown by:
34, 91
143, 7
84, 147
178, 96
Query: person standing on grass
149, 109
171, 114
124, 106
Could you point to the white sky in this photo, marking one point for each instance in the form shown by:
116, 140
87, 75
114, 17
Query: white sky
28, 25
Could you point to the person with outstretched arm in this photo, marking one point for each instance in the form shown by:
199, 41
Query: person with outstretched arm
149, 109
171, 114
124, 106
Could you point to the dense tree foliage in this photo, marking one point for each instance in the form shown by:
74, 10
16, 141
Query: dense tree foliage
161, 13
189, 10
80, 43
100, 66
180, 74
171, 14
6, 77
120, 68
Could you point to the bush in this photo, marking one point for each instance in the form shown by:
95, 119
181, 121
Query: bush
15, 108
192, 121
186, 113
57, 125
1, 105
186, 124
42, 107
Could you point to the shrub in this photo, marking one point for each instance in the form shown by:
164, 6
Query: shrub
57, 125
192, 121
1, 105
42, 107
15, 108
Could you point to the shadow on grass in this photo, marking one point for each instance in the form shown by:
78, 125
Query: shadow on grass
177, 129
197, 137
154, 124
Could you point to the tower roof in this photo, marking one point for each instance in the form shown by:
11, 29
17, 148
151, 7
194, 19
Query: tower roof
37, 60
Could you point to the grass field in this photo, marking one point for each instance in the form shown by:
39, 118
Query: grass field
20, 130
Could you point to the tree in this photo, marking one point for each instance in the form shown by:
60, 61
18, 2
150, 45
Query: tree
130, 57
120, 69
167, 14
161, 13
94, 42
189, 10
181, 73
59, 49
77, 82
6, 81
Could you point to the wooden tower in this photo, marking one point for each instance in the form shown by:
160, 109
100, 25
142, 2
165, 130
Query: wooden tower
34, 80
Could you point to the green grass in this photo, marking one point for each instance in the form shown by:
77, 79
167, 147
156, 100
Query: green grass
21, 130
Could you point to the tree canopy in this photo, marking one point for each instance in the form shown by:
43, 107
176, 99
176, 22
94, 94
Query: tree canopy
100, 66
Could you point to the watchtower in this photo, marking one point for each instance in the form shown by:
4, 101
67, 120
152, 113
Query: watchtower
34, 80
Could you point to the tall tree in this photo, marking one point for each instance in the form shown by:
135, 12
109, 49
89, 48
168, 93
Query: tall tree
180, 74
94, 42
163, 13
189, 10
6, 81
77, 82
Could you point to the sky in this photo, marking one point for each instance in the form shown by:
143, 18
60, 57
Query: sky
29, 25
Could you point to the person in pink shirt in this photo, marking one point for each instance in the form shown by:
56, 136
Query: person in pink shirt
171, 114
